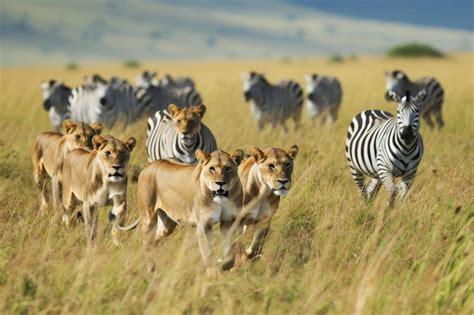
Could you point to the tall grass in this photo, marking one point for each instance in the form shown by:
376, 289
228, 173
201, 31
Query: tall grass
327, 252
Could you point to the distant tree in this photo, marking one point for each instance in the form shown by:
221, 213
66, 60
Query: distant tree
414, 50
336, 59
131, 64
72, 66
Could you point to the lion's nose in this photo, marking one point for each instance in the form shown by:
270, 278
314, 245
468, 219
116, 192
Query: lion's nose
283, 181
185, 133
221, 183
117, 167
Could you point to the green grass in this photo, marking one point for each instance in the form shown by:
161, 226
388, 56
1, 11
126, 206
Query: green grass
327, 251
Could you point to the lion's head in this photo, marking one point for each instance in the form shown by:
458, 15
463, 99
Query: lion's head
219, 172
80, 135
275, 167
113, 156
187, 120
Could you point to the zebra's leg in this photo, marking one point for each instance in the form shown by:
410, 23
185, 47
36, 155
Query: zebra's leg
439, 119
284, 128
427, 118
373, 188
387, 179
333, 114
405, 184
358, 178
297, 117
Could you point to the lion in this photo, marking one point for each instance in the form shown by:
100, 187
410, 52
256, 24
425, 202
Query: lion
172, 193
95, 177
265, 177
49, 150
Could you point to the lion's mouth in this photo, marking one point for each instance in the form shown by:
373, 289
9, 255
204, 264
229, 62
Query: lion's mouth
220, 193
116, 174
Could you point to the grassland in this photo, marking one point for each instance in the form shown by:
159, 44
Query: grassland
327, 252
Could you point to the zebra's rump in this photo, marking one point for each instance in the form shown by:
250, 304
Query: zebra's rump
157, 98
435, 94
163, 140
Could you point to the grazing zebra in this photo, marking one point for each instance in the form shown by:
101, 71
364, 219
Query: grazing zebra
324, 96
273, 103
178, 133
146, 79
178, 83
399, 82
56, 101
383, 147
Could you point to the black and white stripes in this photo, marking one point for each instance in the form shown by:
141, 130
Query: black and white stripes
383, 147
324, 97
56, 101
273, 103
177, 133
399, 82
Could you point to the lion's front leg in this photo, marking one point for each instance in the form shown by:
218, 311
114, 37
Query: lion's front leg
118, 214
231, 231
90, 221
206, 241
259, 236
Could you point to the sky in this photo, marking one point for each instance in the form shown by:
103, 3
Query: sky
88, 31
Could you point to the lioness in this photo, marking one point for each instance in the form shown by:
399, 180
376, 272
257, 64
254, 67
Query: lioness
171, 193
49, 150
265, 176
94, 177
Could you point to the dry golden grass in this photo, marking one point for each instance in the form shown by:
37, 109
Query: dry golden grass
327, 252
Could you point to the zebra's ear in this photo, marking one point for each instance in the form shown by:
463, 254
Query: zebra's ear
392, 96
69, 126
421, 96
293, 151
173, 109
202, 156
98, 141
200, 110
130, 143
97, 128
257, 154
237, 156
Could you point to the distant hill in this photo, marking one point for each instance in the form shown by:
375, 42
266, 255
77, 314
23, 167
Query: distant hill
55, 32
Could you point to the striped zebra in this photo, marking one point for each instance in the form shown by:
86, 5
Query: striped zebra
384, 147
273, 103
399, 82
146, 79
56, 101
324, 97
178, 83
101, 101
177, 133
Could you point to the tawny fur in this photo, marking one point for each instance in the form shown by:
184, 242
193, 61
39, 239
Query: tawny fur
49, 150
95, 177
265, 176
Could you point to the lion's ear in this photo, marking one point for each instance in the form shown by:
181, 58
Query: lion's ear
202, 156
257, 154
200, 110
97, 128
69, 126
173, 109
237, 156
293, 151
130, 143
98, 141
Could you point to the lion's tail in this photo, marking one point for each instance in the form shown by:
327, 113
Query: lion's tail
129, 227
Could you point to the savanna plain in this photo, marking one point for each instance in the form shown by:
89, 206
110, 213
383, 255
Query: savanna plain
327, 252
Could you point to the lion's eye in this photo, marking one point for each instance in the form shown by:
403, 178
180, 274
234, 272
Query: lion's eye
107, 153
228, 169
271, 167
179, 121
212, 169
122, 153
78, 137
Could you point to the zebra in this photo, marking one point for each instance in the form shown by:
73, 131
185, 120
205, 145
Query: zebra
399, 82
56, 101
324, 96
146, 79
383, 147
178, 83
102, 101
177, 133
273, 103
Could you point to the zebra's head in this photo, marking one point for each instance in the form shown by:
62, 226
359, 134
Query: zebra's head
48, 87
187, 121
408, 113
396, 81
146, 79
253, 83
